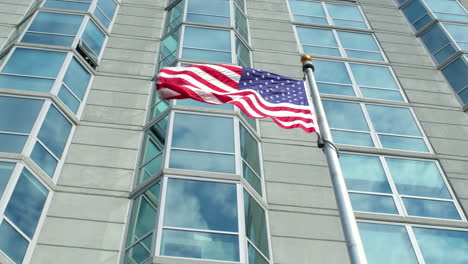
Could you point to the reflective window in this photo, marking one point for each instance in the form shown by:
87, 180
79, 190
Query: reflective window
376, 239
438, 43
79, 5
243, 54
31, 70
155, 140
419, 186
417, 14
169, 47
53, 29
241, 23
74, 86
327, 13
217, 12
6, 169
250, 160
335, 77
434, 245
174, 17
456, 74
21, 215
17, 117
141, 226
191, 150
459, 33
215, 45
105, 10
256, 228
52, 138
447, 10
93, 38
350, 126
343, 44
206, 206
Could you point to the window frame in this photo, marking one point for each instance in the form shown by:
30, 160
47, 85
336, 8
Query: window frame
398, 198
328, 17
375, 135
340, 47
5, 198
59, 79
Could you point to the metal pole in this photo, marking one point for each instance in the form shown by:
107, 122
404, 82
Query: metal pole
348, 222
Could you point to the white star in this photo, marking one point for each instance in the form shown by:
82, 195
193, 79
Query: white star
250, 81
268, 73
294, 85
263, 76
287, 81
261, 85
278, 77
248, 74
245, 83
256, 79
253, 71
266, 83
277, 86
271, 80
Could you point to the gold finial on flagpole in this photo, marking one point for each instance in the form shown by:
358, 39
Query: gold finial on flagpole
305, 57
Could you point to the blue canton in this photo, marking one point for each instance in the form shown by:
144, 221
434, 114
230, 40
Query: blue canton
273, 88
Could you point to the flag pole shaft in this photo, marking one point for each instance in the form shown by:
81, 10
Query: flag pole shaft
348, 222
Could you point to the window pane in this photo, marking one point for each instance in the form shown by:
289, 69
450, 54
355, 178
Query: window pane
431, 208
417, 178
318, 37
252, 178
195, 103
200, 245
108, 7
403, 143
249, 150
255, 224
255, 257
217, 12
102, 18
377, 238
459, 33
243, 54
358, 45
331, 71
93, 37
25, 83
447, 10
69, 99
373, 203
373, 76
77, 78
345, 115
6, 169
26, 203
174, 17
352, 138
442, 246
241, 24
35, 62
53, 29
308, 12
12, 243
143, 217
417, 14
190, 160
61, 4
346, 15
364, 173
44, 159
438, 43
18, 114
55, 131
12, 143
204, 205
207, 44
191, 131
381, 94
456, 74
393, 120
138, 253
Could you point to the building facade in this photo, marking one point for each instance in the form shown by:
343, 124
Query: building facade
95, 168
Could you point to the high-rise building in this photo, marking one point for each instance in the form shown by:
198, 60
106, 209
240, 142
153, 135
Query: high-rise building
95, 168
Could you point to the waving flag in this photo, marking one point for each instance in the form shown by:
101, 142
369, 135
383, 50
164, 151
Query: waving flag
258, 93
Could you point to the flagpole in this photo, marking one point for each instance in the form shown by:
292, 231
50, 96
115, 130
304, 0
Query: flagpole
348, 222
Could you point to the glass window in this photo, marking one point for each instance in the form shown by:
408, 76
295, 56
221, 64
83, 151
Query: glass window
17, 117
355, 45
217, 12
420, 187
141, 226
26, 203
360, 46
53, 29
75, 85
417, 14
447, 10
456, 74
440, 246
12, 243
377, 238
81, 5
206, 206
241, 24
243, 54
94, 38
250, 159
327, 13
459, 33
191, 150
31, 70
105, 10
168, 51
6, 169
174, 17
207, 44
438, 43
255, 226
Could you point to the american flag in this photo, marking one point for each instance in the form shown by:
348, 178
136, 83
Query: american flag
258, 93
